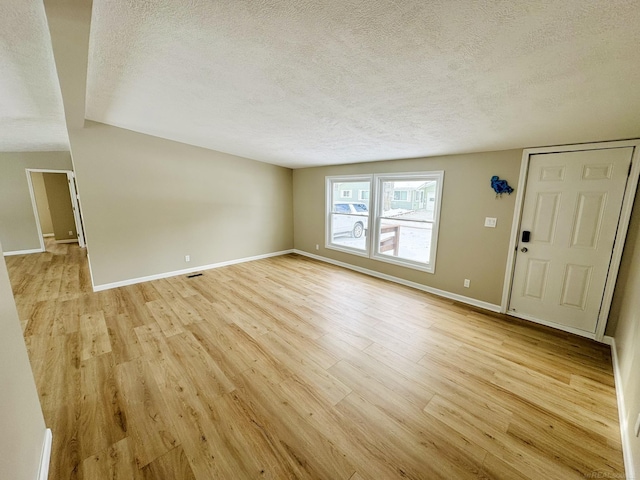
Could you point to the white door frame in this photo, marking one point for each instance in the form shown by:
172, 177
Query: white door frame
75, 206
621, 235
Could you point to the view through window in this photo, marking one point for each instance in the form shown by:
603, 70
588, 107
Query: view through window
348, 224
403, 215
407, 209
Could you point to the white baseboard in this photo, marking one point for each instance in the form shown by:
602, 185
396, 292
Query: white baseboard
46, 235
401, 281
93, 284
45, 457
69, 240
23, 252
622, 411
132, 281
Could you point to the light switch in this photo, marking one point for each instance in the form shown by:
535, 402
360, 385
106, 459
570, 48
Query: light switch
490, 222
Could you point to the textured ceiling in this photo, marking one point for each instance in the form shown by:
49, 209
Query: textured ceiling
316, 82
31, 112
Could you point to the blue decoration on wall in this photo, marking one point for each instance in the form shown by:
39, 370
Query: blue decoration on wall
500, 186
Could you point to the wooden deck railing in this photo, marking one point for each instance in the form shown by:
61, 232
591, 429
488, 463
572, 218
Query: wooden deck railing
392, 242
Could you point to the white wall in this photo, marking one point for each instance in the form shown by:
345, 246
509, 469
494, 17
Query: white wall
22, 427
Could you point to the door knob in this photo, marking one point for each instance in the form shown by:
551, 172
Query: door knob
524, 249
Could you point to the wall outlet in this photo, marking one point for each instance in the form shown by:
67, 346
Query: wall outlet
490, 222
187, 258
317, 247
70, 232
637, 427
467, 283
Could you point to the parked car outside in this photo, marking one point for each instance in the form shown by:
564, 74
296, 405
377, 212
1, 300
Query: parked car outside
350, 218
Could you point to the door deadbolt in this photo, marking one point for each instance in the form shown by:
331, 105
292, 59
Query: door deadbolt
524, 249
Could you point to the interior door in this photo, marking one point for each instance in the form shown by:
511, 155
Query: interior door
571, 210
73, 192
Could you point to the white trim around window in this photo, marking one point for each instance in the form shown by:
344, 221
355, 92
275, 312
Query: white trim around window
392, 233
429, 224
349, 238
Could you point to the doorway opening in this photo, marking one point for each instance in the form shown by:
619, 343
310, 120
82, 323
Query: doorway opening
55, 205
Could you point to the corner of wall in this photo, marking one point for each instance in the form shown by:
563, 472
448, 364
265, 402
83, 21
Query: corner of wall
625, 433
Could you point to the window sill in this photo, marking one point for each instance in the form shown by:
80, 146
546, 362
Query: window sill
403, 263
351, 251
393, 261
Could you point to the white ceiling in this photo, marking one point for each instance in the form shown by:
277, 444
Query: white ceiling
311, 82
316, 82
31, 112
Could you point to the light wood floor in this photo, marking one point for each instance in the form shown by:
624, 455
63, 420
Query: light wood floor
291, 368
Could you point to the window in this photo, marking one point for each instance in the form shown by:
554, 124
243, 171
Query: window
348, 221
406, 213
406, 226
400, 195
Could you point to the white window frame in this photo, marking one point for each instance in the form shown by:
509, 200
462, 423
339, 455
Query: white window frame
360, 192
342, 194
375, 207
438, 177
329, 181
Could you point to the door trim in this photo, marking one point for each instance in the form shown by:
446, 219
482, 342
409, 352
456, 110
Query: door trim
36, 216
618, 246
74, 204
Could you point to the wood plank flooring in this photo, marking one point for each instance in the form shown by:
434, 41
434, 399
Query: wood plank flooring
291, 368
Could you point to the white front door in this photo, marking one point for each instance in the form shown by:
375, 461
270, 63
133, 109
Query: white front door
571, 211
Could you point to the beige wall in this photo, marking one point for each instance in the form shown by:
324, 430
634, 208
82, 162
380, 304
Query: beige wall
60, 206
18, 228
40, 192
148, 202
626, 268
69, 24
624, 325
21, 421
466, 249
